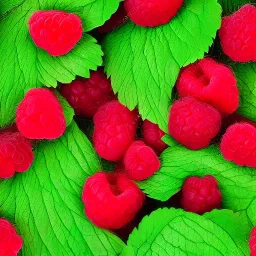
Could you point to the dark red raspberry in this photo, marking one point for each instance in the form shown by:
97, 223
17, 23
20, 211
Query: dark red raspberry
114, 130
116, 20
40, 115
16, 154
252, 242
237, 34
56, 32
152, 136
140, 161
210, 82
152, 13
87, 95
201, 195
111, 200
10, 241
238, 144
193, 123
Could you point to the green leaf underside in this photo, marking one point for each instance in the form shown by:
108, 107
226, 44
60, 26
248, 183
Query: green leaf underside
24, 66
230, 6
144, 62
45, 202
176, 232
246, 81
237, 184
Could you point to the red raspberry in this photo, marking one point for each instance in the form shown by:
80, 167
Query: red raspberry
200, 195
252, 242
40, 115
140, 161
16, 154
116, 20
210, 82
111, 200
87, 95
114, 130
10, 241
238, 144
194, 124
152, 13
238, 36
152, 136
56, 32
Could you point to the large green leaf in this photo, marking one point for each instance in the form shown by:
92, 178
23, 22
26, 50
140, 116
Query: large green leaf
237, 184
45, 202
144, 62
230, 6
24, 66
175, 232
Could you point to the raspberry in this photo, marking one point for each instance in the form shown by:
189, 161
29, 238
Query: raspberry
200, 195
40, 115
194, 124
238, 144
10, 241
140, 161
116, 20
111, 200
210, 82
87, 95
252, 242
56, 32
114, 130
16, 154
237, 34
152, 13
152, 136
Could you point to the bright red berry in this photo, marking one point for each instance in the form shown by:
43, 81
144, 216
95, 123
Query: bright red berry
152, 13
40, 115
193, 123
10, 241
237, 34
152, 136
210, 82
56, 32
238, 144
114, 130
87, 95
111, 200
201, 195
140, 161
252, 242
16, 154
116, 20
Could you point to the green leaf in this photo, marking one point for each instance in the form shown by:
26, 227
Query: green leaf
246, 81
24, 66
237, 184
176, 232
144, 62
45, 202
230, 6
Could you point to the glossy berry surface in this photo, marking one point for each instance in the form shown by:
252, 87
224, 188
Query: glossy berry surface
10, 241
237, 34
16, 154
114, 130
87, 95
193, 123
210, 82
140, 161
252, 242
152, 136
40, 115
200, 195
111, 200
56, 32
152, 13
238, 144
